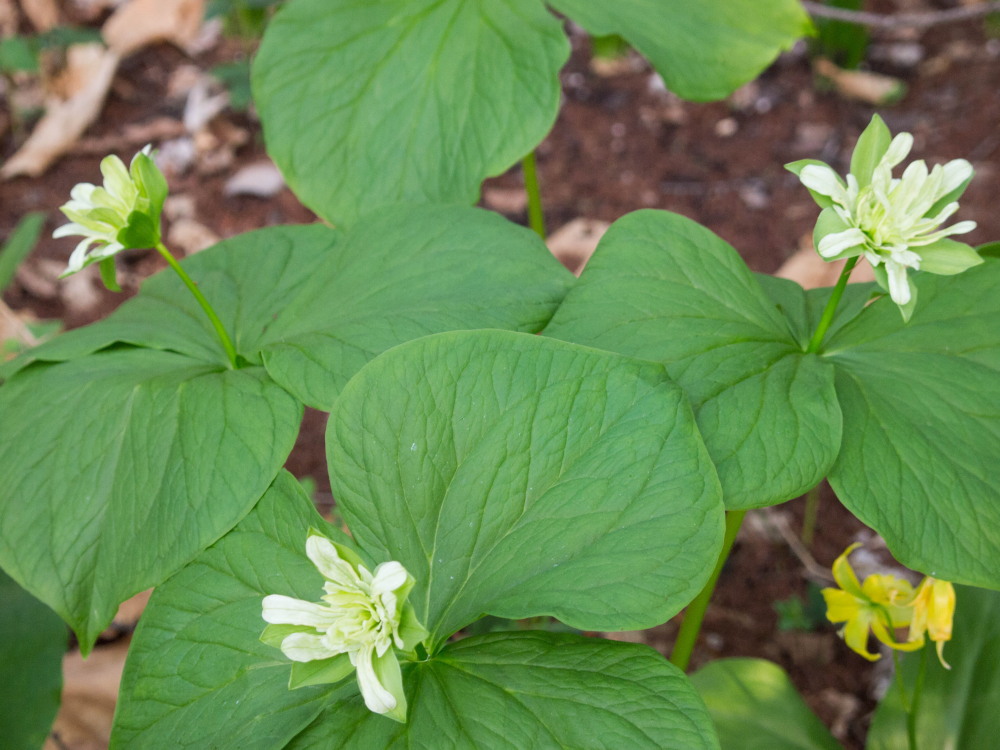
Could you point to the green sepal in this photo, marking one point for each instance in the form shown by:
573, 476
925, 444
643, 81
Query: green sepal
151, 183
391, 678
947, 257
796, 167
273, 634
320, 671
870, 149
411, 631
108, 276
830, 222
140, 232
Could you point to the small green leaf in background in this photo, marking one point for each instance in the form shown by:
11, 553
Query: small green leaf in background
704, 50
235, 77
516, 475
958, 707
18, 54
368, 103
754, 706
121, 466
511, 691
32, 643
844, 43
663, 288
921, 404
18, 246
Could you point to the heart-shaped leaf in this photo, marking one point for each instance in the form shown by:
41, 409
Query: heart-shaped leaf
518, 476
664, 288
367, 103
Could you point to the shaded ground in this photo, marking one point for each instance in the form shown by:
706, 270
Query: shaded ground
620, 143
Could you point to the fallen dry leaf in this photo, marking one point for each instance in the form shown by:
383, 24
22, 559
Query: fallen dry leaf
261, 180
865, 86
142, 22
575, 242
190, 237
9, 18
43, 14
65, 120
14, 327
811, 271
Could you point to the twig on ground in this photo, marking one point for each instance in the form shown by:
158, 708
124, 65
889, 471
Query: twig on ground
813, 570
901, 20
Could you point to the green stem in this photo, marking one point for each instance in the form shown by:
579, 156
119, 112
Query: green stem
695, 612
536, 219
809, 516
918, 689
831, 307
227, 343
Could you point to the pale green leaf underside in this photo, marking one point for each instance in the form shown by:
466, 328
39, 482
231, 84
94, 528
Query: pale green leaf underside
366, 103
121, 466
754, 706
518, 476
403, 273
197, 671
529, 690
704, 50
663, 288
32, 644
922, 425
957, 706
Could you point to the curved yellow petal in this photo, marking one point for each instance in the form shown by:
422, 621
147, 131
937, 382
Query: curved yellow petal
844, 575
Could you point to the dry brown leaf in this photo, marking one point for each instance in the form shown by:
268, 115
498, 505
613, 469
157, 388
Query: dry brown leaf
505, 200
90, 691
190, 236
865, 86
261, 179
14, 327
65, 120
9, 18
575, 242
142, 22
43, 14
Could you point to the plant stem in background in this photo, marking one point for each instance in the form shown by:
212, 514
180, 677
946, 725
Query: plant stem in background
809, 516
695, 612
536, 219
831, 307
918, 688
227, 343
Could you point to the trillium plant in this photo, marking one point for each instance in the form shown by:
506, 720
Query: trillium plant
503, 439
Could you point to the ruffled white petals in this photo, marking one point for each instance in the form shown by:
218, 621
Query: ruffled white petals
388, 577
377, 699
898, 150
323, 555
899, 286
307, 647
824, 181
835, 244
284, 610
956, 172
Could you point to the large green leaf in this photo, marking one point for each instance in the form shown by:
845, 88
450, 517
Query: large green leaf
32, 643
756, 707
404, 273
704, 50
515, 475
197, 671
366, 103
921, 405
509, 691
664, 288
958, 707
121, 466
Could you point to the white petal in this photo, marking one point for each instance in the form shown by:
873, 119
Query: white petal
898, 149
306, 647
377, 698
899, 287
78, 258
81, 192
284, 610
838, 242
956, 172
824, 181
68, 230
324, 556
389, 576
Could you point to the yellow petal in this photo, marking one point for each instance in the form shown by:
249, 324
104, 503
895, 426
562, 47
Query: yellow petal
840, 606
856, 636
844, 575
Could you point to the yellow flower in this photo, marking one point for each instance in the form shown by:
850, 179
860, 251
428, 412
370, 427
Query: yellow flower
933, 611
880, 605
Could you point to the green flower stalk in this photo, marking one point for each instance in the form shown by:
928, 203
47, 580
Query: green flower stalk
362, 619
895, 223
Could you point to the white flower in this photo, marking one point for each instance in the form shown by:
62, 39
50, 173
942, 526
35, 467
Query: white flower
894, 222
123, 214
362, 615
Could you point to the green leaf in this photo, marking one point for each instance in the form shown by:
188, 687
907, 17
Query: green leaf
32, 643
518, 476
921, 407
197, 669
704, 50
509, 691
19, 245
405, 273
957, 706
663, 288
754, 705
121, 466
869, 150
18, 54
367, 103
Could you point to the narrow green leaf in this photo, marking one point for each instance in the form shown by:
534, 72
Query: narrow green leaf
921, 405
509, 691
957, 706
32, 643
704, 50
367, 103
121, 466
663, 288
753, 704
520, 476
19, 245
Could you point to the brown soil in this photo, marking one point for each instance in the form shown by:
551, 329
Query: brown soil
620, 144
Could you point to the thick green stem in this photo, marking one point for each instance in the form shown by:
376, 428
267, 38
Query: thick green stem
227, 343
809, 516
831, 307
914, 712
695, 612
536, 219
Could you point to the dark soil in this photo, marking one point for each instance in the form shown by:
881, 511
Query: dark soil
621, 144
